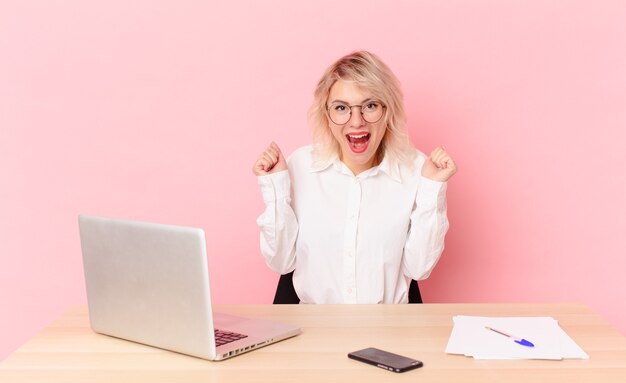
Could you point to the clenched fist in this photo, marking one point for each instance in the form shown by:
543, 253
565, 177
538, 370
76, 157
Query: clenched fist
439, 166
270, 161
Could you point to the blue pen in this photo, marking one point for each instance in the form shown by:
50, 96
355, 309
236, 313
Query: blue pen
517, 340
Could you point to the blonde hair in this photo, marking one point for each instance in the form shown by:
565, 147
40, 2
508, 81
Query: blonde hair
369, 73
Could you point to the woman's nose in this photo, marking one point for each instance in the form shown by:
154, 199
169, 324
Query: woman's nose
356, 118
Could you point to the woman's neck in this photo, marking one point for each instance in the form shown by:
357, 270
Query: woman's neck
357, 169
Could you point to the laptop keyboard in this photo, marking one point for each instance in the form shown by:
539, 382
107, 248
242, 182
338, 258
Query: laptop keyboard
224, 337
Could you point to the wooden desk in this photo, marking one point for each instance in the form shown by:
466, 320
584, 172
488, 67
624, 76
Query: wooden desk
68, 351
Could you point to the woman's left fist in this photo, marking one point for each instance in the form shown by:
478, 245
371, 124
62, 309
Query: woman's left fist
439, 166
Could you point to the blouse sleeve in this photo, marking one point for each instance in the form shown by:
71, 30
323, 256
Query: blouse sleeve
428, 227
278, 223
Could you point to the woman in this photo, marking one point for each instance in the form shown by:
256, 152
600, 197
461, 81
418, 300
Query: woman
361, 211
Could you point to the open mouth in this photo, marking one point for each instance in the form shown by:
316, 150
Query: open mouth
358, 141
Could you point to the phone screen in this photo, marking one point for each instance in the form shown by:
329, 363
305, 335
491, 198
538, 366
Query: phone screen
385, 360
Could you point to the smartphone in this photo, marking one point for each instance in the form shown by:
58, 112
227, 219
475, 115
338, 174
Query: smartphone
386, 360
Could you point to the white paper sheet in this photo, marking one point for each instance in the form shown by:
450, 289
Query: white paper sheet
469, 337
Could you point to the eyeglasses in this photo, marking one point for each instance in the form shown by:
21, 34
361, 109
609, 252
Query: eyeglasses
371, 110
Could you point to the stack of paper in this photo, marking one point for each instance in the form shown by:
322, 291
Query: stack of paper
470, 337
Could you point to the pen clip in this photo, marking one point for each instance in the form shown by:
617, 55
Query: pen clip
524, 342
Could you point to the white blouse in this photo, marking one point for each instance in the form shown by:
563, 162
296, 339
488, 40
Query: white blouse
352, 239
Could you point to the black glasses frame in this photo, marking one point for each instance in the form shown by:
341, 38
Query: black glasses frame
361, 108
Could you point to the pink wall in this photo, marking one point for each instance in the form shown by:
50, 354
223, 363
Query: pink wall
156, 110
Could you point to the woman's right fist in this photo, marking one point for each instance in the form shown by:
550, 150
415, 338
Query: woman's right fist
270, 161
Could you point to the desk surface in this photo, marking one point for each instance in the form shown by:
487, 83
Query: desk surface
68, 351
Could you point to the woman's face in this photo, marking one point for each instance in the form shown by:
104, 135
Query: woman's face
359, 140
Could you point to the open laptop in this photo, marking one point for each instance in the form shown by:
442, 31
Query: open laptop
149, 283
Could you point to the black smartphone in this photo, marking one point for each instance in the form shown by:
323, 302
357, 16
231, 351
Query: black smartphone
386, 360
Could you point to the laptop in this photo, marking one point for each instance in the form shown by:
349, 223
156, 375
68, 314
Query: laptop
149, 283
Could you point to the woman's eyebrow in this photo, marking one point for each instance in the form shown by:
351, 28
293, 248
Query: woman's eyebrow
341, 101
347, 103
